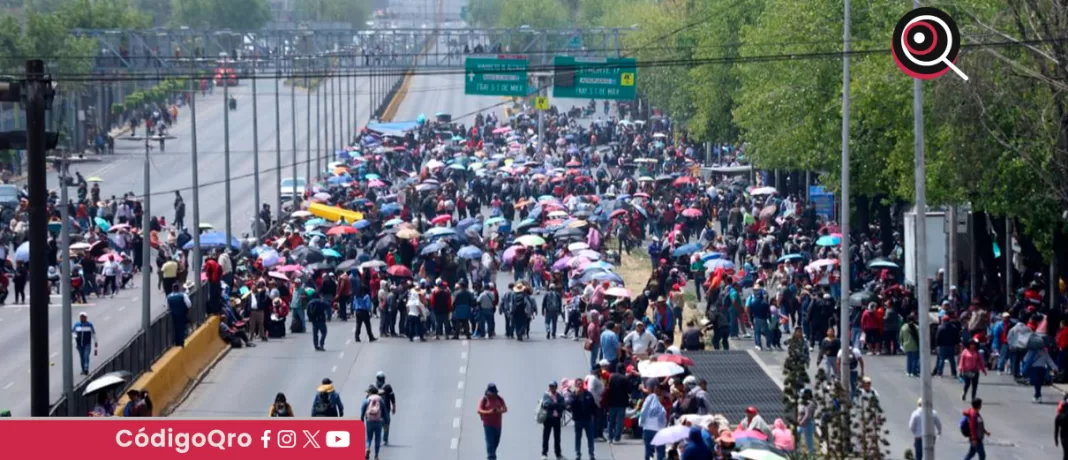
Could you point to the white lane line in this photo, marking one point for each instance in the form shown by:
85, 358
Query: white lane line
349, 341
11, 384
134, 298
122, 308
459, 403
460, 385
463, 369
53, 355
463, 355
456, 422
340, 355
333, 369
463, 342
454, 443
107, 318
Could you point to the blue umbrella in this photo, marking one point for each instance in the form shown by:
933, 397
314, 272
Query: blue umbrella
338, 180
494, 220
711, 255
791, 257
469, 252
466, 223
315, 222
547, 198
103, 224
717, 264
390, 208
602, 276
392, 222
371, 176
256, 251
361, 224
331, 253
458, 167
828, 240
431, 248
440, 231
214, 240
686, 250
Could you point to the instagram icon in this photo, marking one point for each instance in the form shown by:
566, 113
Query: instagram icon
287, 439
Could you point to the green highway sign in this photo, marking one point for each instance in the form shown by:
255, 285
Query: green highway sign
496, 76
595, 78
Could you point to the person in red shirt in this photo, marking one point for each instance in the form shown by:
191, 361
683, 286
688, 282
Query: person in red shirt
213, 272
1062, 344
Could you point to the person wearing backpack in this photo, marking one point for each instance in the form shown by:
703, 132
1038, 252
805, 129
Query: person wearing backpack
317, 313
280, 408
327, 402
372, 413
551, 408
973, 428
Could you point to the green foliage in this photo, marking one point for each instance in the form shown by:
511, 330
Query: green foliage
118, 108
236, 15
537, 14
486, 13
795, 378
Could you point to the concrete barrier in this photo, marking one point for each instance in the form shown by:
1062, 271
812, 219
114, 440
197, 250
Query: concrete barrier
179, 368
398, 98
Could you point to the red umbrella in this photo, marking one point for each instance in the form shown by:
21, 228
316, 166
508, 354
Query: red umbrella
573, 164
617, 213
442, 219
341, 230
105, 257
683, 181
677, 359
399, 271
691, 212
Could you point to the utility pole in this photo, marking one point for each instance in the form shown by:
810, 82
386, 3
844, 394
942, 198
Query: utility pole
293, 119
334, 90
1008, 262
64, 287
318, 126
37, 100
198, 260
278, 142
951, 247
226, 155
255, 156
542, 80
348, 108
843, 262
923, 308
307, 134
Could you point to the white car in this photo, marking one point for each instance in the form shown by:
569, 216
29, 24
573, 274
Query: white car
286, 191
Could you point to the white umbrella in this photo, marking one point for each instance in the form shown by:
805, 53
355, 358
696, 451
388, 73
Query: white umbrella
301, 214
80, 246
671, 435
658, 369
22, 254
270, 258
373, 264
111, 379
763, 191
577, 246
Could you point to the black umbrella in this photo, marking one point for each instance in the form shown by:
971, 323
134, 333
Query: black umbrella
308, 255
348, 265
568, 233
320, 266
862, 298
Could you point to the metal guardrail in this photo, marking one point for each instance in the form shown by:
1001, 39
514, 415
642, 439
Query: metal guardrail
137, 356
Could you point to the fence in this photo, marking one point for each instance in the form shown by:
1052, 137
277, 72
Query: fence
137, 356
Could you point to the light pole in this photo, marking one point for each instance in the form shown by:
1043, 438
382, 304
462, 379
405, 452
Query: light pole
226, 154
255, 156
64, 287
843, 261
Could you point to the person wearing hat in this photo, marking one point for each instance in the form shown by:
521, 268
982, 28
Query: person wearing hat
491, 408
550, 410
85, 340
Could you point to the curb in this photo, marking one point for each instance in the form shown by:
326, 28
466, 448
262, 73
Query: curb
398, 98
167, 411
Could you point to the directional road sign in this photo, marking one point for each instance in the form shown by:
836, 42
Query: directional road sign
595, 78
496, 76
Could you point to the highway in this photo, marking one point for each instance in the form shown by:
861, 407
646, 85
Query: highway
118, 319
438, 383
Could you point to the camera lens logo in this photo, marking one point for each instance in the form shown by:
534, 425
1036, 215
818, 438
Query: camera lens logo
925, 45
287, 439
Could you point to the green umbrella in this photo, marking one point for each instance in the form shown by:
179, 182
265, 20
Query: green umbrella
103, 224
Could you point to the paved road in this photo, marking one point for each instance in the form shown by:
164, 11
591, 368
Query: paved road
1019, 429
118, 319
438, 383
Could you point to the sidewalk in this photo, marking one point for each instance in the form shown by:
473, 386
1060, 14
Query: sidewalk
1019, 428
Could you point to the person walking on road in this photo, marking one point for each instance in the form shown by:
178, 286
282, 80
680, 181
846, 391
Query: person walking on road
550, 410
971, 364
361, 304
975, 430
389, 398
372, 413
617, 398
652, 419
84, 340
327, 402
178, 304
583, 415
916, 427
491, 408
317, 308
552, 307
1060, 427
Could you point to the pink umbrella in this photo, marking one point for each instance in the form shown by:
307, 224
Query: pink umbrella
691, 212
376, 184
108, 256
289, 269
277, 275
561, 263
752, 434
509, 254
502, 130
618, 292
578, 262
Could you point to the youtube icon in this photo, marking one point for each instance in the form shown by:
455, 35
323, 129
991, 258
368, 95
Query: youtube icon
337, 439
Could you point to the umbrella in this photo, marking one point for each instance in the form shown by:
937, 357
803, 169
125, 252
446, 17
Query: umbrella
80, 246
822, 263
103, 224
692, 212
288, 268
94, 179
598, 275
307, 254
494, 221
659, 369
509, 254
716, 264
439, 231
432, 248
115, 228
399, 271
875, 263
469, 252
214, 240
561, 263
862, 298
320, 266
672, 357
107, 381
373, 264
270, 258
577, 246
407, 234
441, 220
347, 265
791, 257
314, 222
342, 230
686, 250
530, 240
392, 222
671, 435
617, 292
588, 254
300, 214
570, 233
360, 224
711, 255
758, 454
331, 253
829, 240
763, 191
278, 276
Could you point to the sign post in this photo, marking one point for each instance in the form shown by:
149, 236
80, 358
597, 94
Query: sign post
595, 78
496, 76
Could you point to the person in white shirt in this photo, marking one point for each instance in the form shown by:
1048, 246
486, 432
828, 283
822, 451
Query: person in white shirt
110, 271
916, 427
227, 268
640, 342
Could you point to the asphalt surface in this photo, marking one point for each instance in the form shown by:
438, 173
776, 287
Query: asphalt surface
438, 383
118, 319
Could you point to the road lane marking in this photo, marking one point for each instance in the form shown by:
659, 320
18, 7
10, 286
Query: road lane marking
348, 341
340, 355
333, 369
463, 342
463, 369
459, 403
456, 422
454, 443
53, 355
9, 385
107, 317
460, 385
463, 355
122, 308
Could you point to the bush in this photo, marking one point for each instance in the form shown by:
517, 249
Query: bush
117, 108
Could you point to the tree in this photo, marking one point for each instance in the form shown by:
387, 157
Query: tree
536, 14
102, 14
237, 15
795, 378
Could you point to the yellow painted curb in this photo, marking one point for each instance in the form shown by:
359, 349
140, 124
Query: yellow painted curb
178, 368
402, 92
